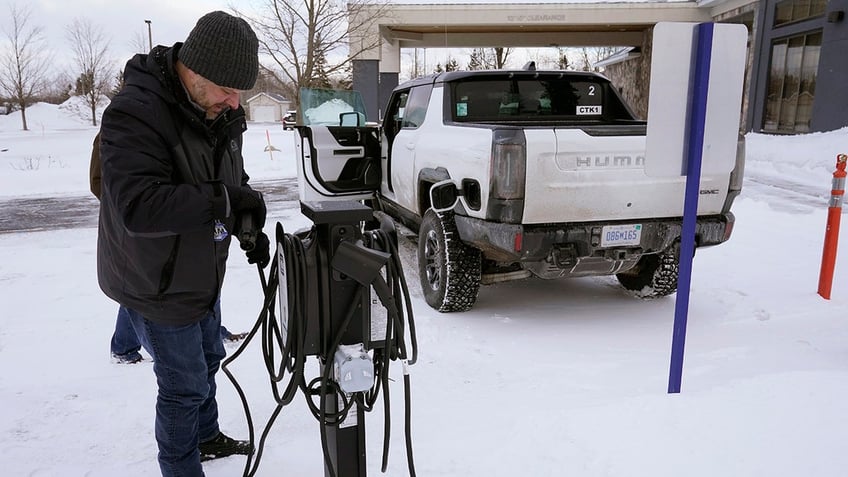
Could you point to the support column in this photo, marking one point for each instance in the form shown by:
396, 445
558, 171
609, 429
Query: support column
367, 81
388, 82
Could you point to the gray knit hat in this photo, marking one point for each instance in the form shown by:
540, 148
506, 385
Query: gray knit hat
223, 49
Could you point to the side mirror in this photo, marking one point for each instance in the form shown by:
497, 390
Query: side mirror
351, 119
443, 195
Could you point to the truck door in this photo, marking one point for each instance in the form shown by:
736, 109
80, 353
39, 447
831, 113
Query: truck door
338, 156
337, 161
406, 113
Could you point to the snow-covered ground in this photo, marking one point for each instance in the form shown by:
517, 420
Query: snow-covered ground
541, 378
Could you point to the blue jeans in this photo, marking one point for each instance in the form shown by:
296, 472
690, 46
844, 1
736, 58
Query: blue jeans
125, 341
185, 361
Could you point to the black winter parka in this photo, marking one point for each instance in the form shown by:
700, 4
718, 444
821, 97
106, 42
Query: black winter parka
164, 175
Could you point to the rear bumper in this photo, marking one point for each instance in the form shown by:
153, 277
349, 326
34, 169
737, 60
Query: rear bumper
571, 241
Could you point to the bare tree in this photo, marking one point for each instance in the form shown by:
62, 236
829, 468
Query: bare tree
58, 90
139, 43
500, 57
417, 62
23, 65
95, 70
308, 40
557, 58
590, 56
489, 58
562, 58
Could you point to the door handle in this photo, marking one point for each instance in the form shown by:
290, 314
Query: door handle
410, 145
349, 151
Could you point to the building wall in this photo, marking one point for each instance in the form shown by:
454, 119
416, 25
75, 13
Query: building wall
831, 100
830, 107
633, 77
746, 15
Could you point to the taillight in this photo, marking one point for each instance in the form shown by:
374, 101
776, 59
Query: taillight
728, 226
509, 165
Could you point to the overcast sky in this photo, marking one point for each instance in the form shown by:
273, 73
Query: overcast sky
123, 22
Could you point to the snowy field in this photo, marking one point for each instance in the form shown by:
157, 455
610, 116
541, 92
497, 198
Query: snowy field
541, 378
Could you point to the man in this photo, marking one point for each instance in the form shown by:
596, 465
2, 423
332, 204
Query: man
173, 191
124, 344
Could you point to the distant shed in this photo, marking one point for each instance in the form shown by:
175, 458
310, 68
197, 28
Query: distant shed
267, 107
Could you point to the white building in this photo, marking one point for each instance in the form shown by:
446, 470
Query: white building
267, 107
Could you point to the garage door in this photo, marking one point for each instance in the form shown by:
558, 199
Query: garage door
265, 114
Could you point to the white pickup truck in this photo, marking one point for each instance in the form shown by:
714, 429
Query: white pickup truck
538, 173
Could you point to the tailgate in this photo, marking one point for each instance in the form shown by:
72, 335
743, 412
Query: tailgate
582, 178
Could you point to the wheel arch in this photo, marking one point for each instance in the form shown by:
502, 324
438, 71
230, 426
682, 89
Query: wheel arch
426, 178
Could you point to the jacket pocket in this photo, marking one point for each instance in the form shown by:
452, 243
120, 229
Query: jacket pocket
193, 268
167, 275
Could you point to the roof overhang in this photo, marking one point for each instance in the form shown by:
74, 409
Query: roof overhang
530, 24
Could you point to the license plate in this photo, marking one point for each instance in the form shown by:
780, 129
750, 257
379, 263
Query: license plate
619, 235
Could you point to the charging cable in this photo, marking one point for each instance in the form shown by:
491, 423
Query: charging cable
283, 340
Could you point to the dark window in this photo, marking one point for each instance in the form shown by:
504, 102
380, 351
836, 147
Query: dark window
416, 106
535, 99
395, 114
792, 83
398, 107
789, 11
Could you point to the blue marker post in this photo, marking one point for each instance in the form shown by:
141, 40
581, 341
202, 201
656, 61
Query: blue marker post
697, 120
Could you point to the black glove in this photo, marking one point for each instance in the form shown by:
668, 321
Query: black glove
261, 251
244, 199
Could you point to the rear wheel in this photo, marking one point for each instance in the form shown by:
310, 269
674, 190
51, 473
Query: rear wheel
449, 269
654, 276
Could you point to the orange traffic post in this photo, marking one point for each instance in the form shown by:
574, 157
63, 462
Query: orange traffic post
831, 236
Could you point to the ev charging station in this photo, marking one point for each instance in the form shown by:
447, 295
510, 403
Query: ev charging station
328, 279
341, 324
694, 109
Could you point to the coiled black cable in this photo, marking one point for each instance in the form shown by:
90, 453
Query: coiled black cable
290, 349
291, 358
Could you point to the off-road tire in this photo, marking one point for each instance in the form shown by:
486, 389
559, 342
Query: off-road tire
654, 276
449, 270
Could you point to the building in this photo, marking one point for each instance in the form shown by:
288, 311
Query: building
267, 107
796, 69
798, 80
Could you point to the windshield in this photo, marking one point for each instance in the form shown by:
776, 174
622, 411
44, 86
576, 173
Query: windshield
323, 106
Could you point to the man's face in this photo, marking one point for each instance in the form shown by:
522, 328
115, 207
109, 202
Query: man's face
212, 98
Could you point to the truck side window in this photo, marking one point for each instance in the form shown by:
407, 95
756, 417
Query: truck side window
399, 106
395, 115
416, 106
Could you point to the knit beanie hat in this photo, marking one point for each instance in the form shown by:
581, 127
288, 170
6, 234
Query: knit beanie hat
223, 49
